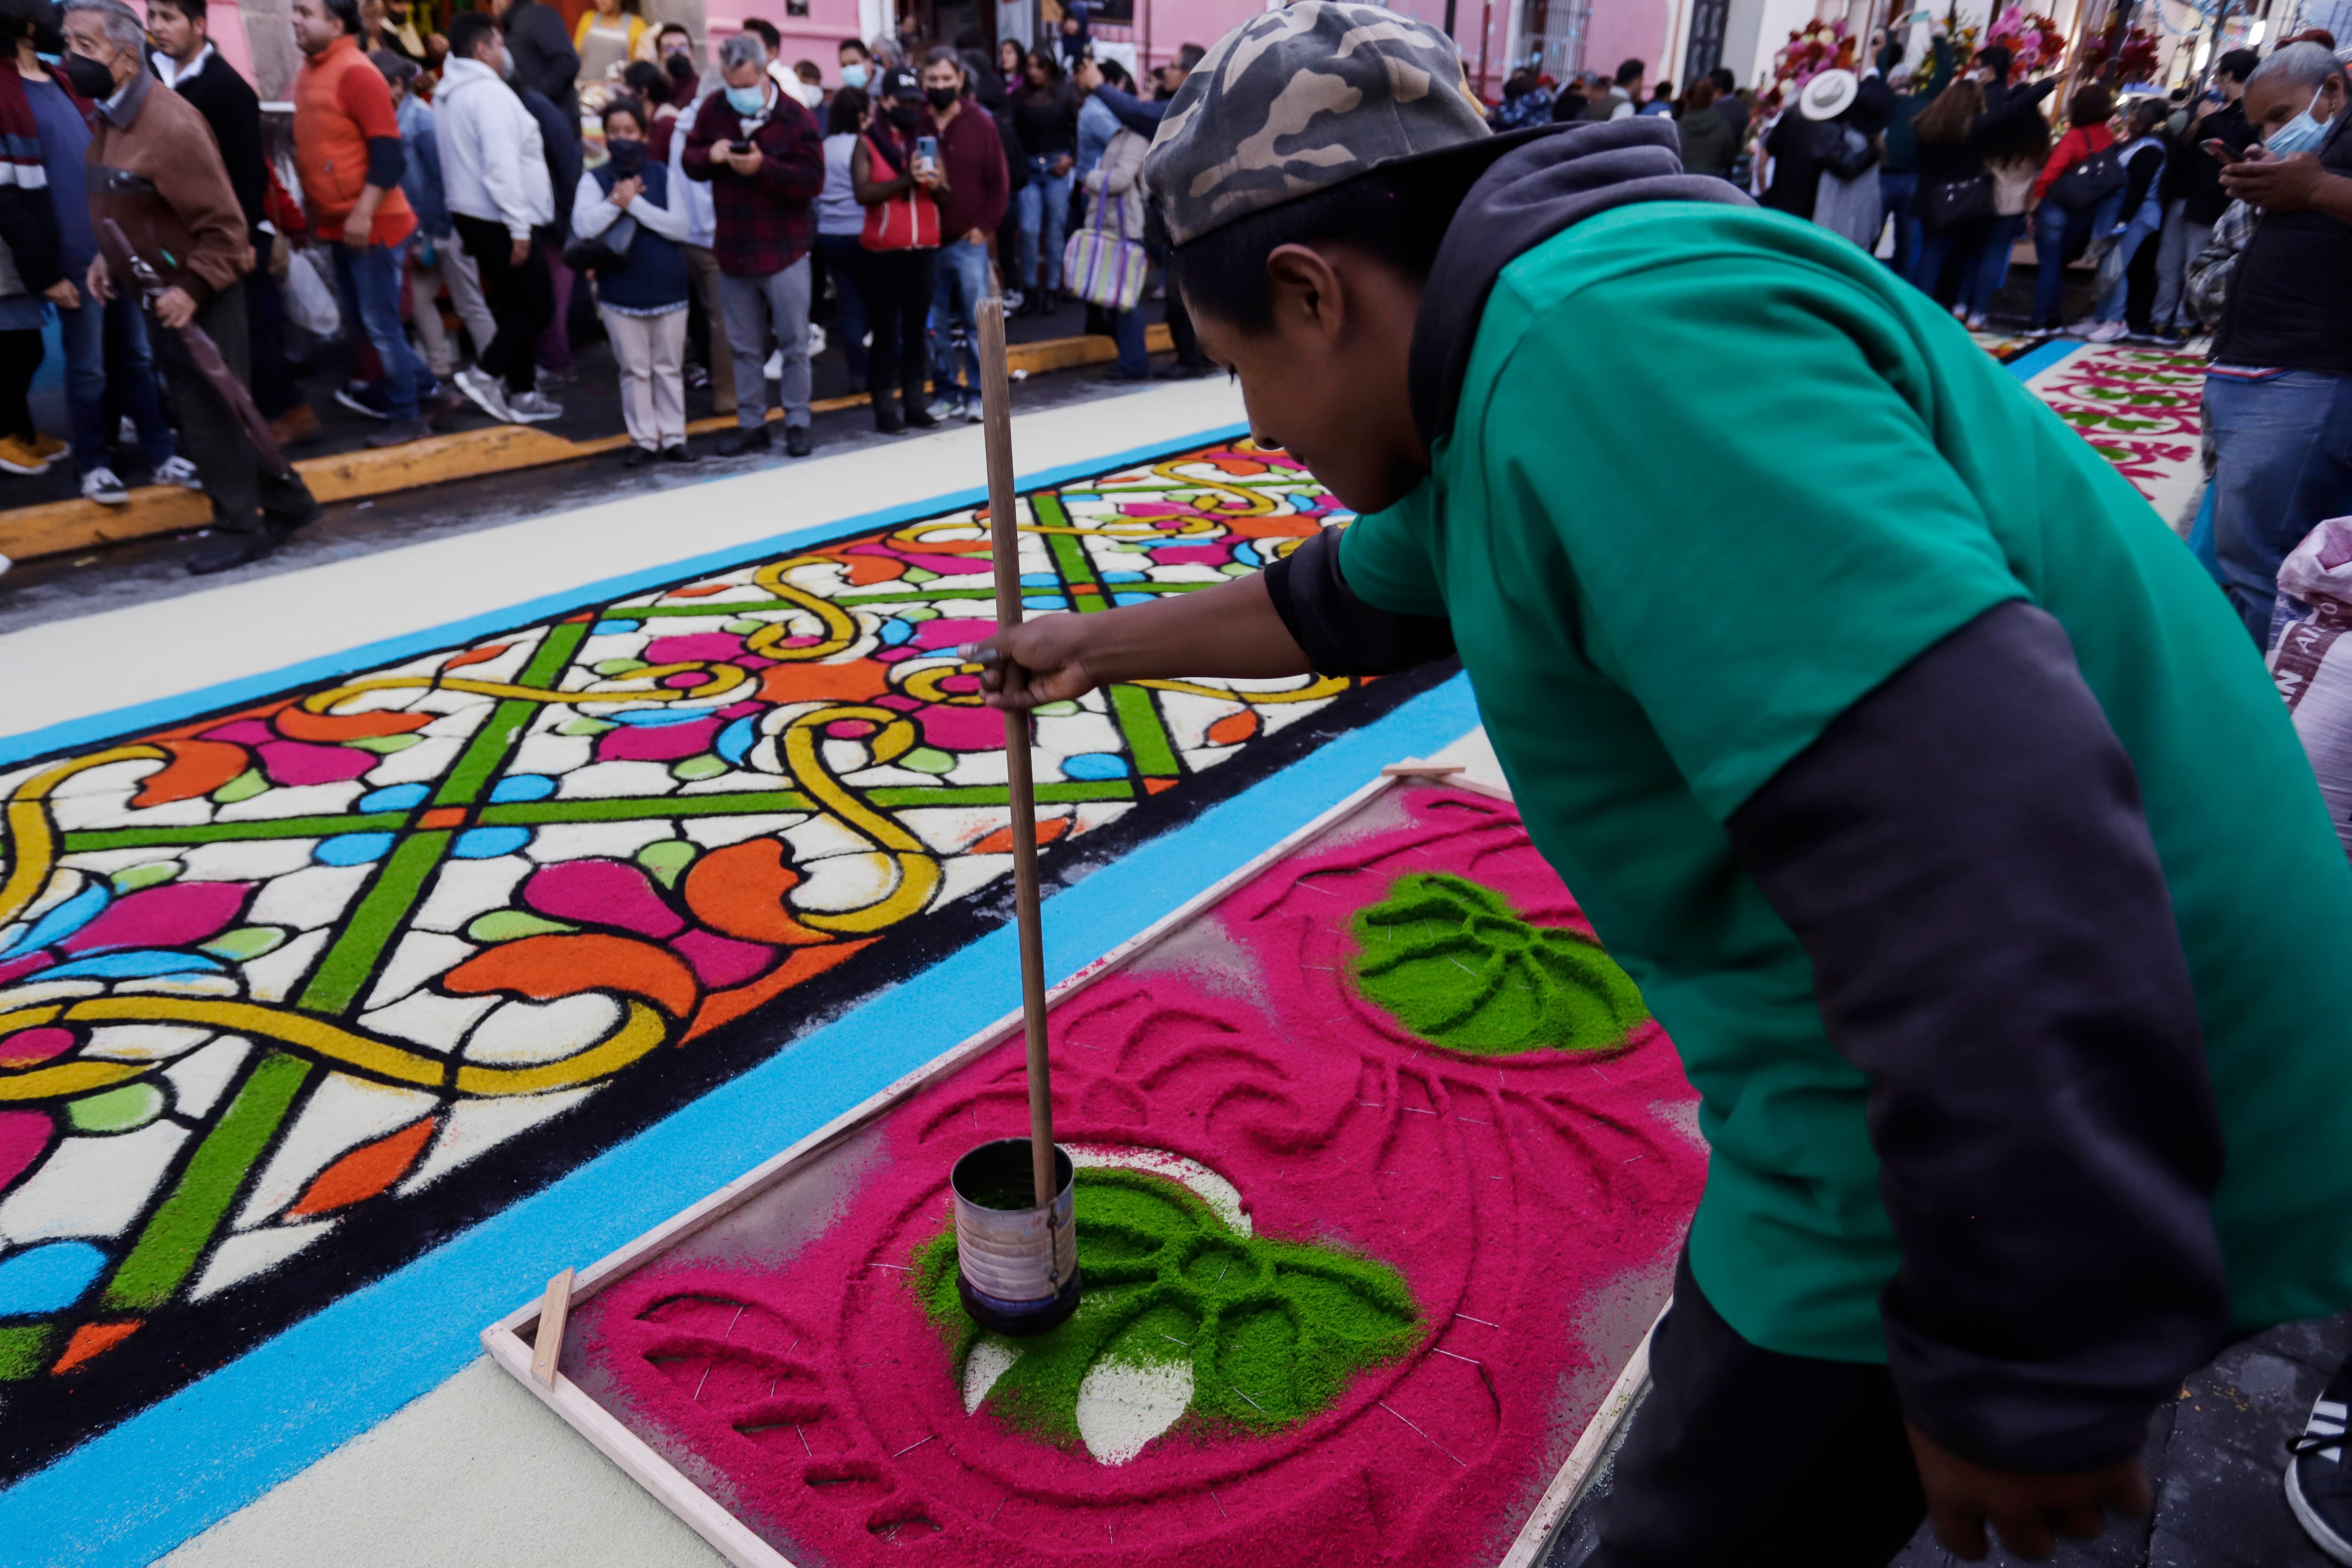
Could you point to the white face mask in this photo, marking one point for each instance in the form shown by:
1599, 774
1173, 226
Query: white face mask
2300, 134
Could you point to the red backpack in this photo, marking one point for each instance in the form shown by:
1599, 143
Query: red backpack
908, 221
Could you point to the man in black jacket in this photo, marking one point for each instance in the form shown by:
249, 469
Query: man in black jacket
2194, 198
544, 59
184, 60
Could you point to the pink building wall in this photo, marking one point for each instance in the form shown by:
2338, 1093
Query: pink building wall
1624, 31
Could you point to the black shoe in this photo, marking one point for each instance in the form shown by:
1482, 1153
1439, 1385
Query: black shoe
283, 523
797, 443
753, 440
1180, 370
681, 453
637, 457
1116, 374
400, 433
919, 417
2318, 1487
234, 550
886, 419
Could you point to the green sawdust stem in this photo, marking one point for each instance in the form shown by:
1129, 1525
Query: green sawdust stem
1457, 966
1273, 1330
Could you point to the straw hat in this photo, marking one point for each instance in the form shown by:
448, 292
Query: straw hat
1827, 95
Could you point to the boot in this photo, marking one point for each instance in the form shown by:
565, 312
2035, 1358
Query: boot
887, 417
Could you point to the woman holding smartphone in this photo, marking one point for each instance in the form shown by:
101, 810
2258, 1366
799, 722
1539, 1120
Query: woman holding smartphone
896, 174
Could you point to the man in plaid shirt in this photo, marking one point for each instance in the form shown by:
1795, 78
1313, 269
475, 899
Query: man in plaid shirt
762, 154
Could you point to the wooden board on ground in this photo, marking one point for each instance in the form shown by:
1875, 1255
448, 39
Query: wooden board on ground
670, 1338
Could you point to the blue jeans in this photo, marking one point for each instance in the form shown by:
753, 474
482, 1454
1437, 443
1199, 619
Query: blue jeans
83, 333
2143, 225
1894, 193
1127, 332
369, 282
2283, 447
2056, 233
843, 256
1044, 204
960, 281
1937, 247
1992, 267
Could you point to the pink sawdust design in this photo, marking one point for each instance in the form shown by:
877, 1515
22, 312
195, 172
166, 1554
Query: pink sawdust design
1510, 1193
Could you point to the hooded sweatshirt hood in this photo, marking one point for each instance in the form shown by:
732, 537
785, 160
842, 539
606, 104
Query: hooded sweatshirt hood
1556, 178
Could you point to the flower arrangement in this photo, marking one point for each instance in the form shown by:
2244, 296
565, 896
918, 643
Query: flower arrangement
2133, 60
1812, 50
2033, 41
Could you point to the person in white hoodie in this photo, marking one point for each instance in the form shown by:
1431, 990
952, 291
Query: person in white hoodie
494, 175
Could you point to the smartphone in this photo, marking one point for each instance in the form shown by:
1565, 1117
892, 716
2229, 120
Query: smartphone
2220, 152
927, 149
741, 147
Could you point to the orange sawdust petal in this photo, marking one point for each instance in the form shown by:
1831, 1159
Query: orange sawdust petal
1155, 785
739, 892
726, 1006
699, 590
824, 682
301, 724
94, 1339
865, 571
477, 656
197, 767
546, 967
1232, 729
365, 1170
1001, 841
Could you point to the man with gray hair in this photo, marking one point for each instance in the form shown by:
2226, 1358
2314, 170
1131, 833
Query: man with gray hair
761, 154
2278, 393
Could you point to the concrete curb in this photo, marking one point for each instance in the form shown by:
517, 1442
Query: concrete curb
57, 527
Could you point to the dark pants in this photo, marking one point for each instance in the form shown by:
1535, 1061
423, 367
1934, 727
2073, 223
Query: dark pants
898, 285
2057, 234
211, 435
1742, 1455
522, 300
1186, 343
20, 356
1894, 193
843, 260
2283, 449
274, 390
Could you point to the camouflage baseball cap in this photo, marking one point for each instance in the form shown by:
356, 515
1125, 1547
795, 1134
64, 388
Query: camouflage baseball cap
1296, 100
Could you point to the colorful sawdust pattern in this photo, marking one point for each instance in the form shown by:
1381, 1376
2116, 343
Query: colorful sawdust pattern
1458, 967
2138, 409
1508, 1194
287, 993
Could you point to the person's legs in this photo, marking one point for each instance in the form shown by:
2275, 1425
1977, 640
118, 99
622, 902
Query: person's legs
1056, 219
274, 390
134, 379
2051, 223
1127, 332
717, 353
914, 370
1741, 1455
1928, 267
2172, 254
374, 281
883, 281
788, 316
1894, 193
83, 331
1992, 264
632, 352
489, 247
20, 357
463, 274
842, 253
666, 343
2143, 225
743, 308
1031, 202
554, 338
959, 276
2283, 450
425, 305
535, 307
215, 440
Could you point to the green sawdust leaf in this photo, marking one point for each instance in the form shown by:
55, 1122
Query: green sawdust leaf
1273, 1330
1456, 964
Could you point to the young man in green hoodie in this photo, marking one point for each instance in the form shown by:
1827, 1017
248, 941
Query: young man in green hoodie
1892, 743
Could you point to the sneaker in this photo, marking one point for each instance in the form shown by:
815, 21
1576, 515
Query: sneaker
2318, 1488
48, 449
816, 341
972, 412
100, 486
681, 453
2104, 332
18, 457
296, 424
798, 443
533, 407
697, 378
364, 398
178, 471
400, 433
1013, 300
1977, 324
485, 393
775, 369
754, 438
945, 409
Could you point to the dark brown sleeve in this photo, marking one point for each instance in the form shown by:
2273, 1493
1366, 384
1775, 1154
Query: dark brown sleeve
193, 183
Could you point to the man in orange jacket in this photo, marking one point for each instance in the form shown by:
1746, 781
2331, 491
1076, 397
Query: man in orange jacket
347, 145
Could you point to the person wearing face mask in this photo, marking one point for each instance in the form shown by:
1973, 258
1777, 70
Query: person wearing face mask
674, 52
760, 151
643, 301
971, 204
902, 191
856, 64
2278, 393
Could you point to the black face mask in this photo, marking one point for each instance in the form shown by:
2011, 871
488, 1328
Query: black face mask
941, 97
628, 156
904, 119
88, 78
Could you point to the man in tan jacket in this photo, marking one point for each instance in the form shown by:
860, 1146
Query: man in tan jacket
156, 170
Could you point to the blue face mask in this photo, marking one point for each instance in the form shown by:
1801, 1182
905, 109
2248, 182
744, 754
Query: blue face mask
2300, 134
853, 76
747, 100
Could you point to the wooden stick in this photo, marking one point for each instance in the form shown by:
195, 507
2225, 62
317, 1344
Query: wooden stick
1422, 770
547, 1342
1004, 546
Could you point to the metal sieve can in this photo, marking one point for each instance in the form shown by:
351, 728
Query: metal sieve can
1016, 1269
